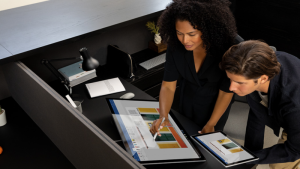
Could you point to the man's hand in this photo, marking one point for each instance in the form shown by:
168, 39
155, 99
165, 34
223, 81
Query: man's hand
155, 125
207, 129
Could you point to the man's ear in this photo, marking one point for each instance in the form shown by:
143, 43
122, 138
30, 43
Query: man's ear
264, 79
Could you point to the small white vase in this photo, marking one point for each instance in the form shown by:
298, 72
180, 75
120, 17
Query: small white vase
2, 118
157, 38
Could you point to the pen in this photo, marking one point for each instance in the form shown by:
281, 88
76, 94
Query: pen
159, 128
71, 101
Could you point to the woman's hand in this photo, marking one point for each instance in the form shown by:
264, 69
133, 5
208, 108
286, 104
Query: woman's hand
221, 105
155, 125
207, 129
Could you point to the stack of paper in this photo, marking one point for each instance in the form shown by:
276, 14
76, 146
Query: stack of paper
75, 75
105, 87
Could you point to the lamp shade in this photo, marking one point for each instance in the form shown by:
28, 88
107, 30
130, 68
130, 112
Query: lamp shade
89, 63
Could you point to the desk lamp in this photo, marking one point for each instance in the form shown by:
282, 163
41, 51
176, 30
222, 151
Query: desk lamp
89, 63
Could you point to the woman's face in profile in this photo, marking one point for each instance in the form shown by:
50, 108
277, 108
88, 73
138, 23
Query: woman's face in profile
188, 36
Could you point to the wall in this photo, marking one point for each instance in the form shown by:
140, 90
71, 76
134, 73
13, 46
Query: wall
275, 22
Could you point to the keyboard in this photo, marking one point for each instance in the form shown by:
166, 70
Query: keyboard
151, 63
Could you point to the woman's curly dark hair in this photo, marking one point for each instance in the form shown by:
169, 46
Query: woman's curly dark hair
212, 17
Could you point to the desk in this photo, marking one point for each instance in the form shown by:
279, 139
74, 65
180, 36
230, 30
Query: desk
24, 143
85, 139
97, 110
5, 55
31, 27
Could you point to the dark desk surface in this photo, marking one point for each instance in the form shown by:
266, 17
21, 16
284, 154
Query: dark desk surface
24, 143
97, 110
33, 26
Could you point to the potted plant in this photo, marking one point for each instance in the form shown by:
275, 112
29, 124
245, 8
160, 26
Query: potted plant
157, 45
2, 117
154, 29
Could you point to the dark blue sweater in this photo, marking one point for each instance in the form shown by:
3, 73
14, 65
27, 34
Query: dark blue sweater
283, 111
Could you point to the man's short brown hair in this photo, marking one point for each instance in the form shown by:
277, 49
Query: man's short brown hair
251, 59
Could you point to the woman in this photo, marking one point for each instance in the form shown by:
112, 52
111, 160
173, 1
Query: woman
197, 32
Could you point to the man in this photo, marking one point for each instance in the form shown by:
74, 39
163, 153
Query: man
271, 82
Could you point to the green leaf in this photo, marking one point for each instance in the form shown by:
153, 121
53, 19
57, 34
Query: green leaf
152, 27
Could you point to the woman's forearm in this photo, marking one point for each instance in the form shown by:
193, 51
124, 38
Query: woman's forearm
166, 97
221, 105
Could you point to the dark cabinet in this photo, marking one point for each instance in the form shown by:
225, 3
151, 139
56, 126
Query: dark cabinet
154, 91
147, 81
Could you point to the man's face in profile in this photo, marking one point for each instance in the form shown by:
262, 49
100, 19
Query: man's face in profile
242, 86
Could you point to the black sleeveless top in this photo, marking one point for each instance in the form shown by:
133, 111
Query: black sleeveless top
199, 91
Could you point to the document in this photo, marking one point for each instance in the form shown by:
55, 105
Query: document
105, 87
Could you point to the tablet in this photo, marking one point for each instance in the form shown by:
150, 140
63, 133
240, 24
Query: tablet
224, 149
134, 118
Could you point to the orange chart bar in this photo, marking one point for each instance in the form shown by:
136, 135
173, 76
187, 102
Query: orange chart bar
177, 137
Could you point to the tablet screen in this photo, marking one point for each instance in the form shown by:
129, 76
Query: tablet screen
226, 150
134, 119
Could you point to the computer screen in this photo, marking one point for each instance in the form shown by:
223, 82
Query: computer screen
134, 118
228, 152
